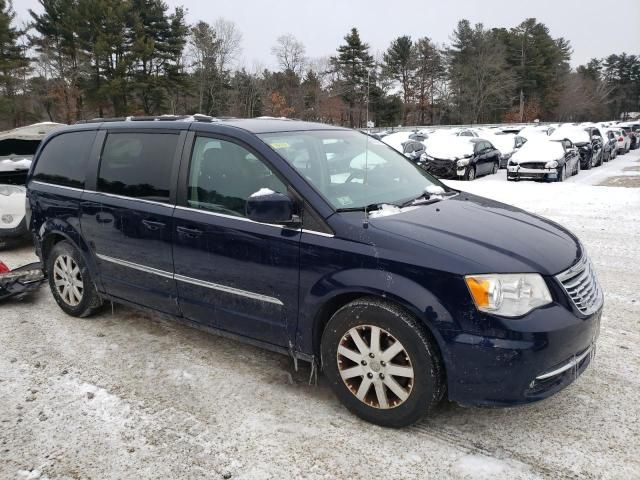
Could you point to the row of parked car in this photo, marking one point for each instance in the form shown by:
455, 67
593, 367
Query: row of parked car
533, 152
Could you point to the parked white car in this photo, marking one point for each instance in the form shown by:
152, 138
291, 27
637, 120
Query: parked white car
623, 142
506, 143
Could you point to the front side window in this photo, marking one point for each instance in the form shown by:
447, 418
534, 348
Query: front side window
363, 171
138, 165
64, 159
223, 175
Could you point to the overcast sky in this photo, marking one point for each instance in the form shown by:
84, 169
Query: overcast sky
594, 28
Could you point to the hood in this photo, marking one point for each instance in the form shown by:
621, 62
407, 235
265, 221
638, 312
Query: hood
538, 150
469, 234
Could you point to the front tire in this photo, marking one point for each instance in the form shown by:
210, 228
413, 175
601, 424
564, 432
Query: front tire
562, 174
471, 173
70, 281
381, 364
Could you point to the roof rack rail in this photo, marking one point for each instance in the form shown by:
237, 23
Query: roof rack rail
197, 117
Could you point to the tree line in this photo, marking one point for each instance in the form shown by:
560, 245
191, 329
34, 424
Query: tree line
80, 59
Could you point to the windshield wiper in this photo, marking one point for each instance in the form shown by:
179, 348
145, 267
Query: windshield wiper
370, 208
425, 198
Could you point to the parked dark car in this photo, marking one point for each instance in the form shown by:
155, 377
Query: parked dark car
589, 145
414, 150
461, 157
401, 289
544, 159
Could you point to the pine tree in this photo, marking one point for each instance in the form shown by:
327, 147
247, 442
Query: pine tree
13, 63
400, 63
353, 65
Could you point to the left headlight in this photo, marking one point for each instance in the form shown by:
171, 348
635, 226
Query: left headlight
463, 162
551, 164
509, 295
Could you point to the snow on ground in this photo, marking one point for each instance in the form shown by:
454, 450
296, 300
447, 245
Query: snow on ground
130, 395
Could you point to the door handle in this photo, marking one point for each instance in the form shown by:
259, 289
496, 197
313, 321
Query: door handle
153, 225
189, 232
101, 219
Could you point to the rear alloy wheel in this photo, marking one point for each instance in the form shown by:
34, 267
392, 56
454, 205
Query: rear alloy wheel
381, 363
70, 281
471, 173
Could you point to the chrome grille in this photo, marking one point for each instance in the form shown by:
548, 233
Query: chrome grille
581, 285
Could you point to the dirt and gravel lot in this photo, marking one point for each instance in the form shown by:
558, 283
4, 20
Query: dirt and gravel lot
128, 395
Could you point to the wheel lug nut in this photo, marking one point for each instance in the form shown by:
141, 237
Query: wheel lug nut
369, 375
363, 362
382, 375
383, 363
371, 355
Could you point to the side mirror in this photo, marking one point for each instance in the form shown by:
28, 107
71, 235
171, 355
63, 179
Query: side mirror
266, 206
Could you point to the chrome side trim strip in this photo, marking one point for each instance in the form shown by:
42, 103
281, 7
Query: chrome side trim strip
570, 364
321, 234
224, 215
226, 289
193, 281
135, 266
57, 186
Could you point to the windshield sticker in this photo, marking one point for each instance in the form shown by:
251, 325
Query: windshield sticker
279, 145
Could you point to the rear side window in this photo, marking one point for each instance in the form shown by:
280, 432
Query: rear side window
64, 159
138, 165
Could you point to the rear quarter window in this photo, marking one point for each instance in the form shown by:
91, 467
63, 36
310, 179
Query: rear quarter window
64, 158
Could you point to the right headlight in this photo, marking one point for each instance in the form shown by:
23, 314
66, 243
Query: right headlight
509, 295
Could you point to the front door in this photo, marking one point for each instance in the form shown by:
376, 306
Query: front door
127, 220
232, 273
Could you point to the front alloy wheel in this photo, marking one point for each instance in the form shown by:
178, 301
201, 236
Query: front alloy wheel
375, 367
381, 362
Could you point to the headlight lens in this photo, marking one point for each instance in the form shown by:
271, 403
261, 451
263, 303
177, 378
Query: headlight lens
463, 163
509, 295
551, 164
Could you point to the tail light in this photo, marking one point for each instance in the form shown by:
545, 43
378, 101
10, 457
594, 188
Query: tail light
621, 139
4, 268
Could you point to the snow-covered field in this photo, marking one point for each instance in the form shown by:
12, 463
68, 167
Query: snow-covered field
128, 395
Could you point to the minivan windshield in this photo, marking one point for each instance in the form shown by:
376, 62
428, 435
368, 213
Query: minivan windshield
351, 170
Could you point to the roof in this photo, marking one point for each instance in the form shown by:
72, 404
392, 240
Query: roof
266, 125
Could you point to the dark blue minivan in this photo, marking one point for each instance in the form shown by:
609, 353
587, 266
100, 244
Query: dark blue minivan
322, 243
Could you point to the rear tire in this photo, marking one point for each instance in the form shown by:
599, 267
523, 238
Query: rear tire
392, 381
70, 281
496, 167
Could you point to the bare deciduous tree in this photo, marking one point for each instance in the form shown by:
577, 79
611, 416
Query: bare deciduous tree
290, 53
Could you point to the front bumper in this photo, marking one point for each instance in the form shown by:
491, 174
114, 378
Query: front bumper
517, 172
530, 365
446, 170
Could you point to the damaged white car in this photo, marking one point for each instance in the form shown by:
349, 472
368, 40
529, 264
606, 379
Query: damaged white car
17, 148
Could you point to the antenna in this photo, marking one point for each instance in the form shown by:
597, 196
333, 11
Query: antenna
365, 222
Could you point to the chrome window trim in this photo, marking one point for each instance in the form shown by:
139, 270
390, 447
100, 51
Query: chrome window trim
226, 289
124, 197
193, 281
75, 189
135, 266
